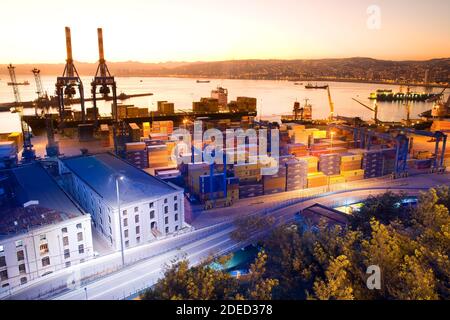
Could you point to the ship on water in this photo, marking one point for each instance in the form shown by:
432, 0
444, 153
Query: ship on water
203, 81
382, 95
25, 83
316, 86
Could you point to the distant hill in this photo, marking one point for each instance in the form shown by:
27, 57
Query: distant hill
358, 68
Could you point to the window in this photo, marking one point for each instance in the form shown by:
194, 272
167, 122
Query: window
176, 228
23, 280
166, 220
66, 241
101, 221
22, 269
124, 212
176, 217
110, 230
167, 229
136, 218
138, 239
175, 198
126, 233
80, 236
3, 275
165, 200
43, 237
66, 253
109, 219
175, 207
64, 230
127, 244
166, 210
20, 255
150, 205
125, 222
2, 262
153, 225
138, 230
19, 243
81, 249
43, 248
68, 264
136, 209
152, 214
5, 285
45, 261
79, 226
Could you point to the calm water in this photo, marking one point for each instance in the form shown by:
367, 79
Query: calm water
274, 97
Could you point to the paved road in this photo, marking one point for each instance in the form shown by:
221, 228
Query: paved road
143, 275
200, 243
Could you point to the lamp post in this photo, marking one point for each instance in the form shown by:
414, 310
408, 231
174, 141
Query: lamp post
120, 219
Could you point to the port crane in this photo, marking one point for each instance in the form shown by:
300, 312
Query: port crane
374, 110
65, 85
39, 87
331, 103
28, 153
104, 80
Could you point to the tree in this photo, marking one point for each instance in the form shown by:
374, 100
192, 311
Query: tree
337, 284
260, 288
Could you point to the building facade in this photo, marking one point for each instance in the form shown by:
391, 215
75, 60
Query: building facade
41, 228
147, 209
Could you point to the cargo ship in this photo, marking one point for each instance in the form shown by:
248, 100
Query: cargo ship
390, 96
310, 86
25, 83
203, 81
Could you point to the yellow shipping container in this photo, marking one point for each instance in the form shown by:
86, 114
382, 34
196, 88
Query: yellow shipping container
336, 179
351, 157
320, 134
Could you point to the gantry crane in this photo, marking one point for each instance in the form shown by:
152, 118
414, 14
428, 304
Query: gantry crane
65, 85
39, 87
28, 153
104, 80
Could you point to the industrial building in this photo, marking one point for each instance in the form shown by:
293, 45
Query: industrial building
104, 185
42, 230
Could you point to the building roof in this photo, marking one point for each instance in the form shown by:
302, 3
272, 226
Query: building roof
318, 212
46, 203
99, 172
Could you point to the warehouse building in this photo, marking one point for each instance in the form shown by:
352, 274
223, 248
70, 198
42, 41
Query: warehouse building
149, 207
41, 229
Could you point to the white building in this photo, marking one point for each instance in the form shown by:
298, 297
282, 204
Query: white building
149, 207
41, 229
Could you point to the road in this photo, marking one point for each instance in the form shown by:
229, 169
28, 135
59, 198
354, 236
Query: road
143, 269
127, 282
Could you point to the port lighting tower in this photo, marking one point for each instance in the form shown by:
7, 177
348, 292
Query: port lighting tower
28, 154
65, 85
104, 81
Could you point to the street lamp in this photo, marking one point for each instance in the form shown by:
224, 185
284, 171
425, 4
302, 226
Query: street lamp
120, 218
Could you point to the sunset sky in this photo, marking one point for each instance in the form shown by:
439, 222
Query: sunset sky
206, 30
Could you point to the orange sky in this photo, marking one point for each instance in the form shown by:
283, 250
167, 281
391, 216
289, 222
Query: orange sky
192, 30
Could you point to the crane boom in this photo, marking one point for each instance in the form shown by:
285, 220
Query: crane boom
330, 101
374, 110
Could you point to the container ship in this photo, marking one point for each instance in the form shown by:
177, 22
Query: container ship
390, 96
